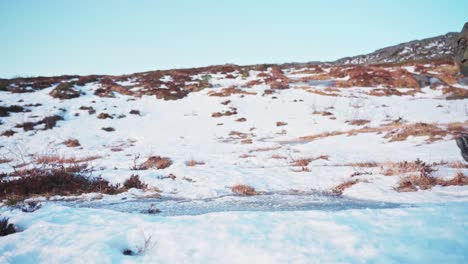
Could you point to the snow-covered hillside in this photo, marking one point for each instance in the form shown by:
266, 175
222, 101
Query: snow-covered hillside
374, 133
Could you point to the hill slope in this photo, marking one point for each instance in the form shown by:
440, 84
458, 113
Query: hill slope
434, 48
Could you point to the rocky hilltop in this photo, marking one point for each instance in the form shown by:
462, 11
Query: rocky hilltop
435, 48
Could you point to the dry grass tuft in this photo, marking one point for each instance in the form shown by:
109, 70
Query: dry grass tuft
359, 122
71, 143
338, 190
243, 190
192, 163
155, 162
305, 161
134, 182
281, 123
424, 180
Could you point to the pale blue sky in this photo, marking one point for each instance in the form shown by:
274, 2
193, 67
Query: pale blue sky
51, 37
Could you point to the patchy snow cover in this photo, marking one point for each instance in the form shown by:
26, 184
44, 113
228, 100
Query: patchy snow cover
260, 151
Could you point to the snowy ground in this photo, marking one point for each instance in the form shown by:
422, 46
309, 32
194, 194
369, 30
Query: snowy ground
260, 156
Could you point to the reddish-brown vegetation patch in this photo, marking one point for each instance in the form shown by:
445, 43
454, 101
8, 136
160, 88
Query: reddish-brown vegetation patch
6, 110
338, 190
71, 143
8, 133
104, 116
64, 91
281, 123
230, 91
322, 113
134, 182
192, 163
359, 122
155, 162
243, 190
424, 180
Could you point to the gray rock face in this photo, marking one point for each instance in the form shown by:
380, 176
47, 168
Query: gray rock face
461, 52
440, 47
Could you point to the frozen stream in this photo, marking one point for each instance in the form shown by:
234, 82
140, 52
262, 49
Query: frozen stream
264, 203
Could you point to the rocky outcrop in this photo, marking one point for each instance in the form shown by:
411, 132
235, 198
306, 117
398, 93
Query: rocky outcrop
461, 52
429, 49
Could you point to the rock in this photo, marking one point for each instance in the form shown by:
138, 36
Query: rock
461, 51
462, 143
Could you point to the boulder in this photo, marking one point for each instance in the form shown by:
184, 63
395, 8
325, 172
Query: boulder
461, 52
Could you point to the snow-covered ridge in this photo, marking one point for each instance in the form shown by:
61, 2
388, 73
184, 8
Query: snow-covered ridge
434, 48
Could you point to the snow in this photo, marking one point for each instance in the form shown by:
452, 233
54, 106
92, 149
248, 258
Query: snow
428, 227
430, 233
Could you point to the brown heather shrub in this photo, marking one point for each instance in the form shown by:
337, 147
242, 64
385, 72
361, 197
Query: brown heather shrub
8, 133
454, 93
55, 180
416, 130
244, 156
64, 91
155, 162
246, 141
281, 123
396, 131
397, 168
359, 122
26, 126
264, 149
230, 91
226, 113
71, 143
192, 163
83, 80
6, 110
104, 116
305, 162
242, 119
134, 182
243, 190
364, 164
134, 112
322, 113
338, 190
424, 180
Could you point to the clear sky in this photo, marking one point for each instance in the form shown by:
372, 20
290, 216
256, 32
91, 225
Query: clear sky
51, 37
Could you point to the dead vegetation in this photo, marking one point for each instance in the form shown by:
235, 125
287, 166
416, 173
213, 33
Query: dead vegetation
50, 175
322, 113
338, 190
399, 132
281, 123
64, 91
424, 180
305, 161
244, 190
72, 143
6, 110
153, 162
192, 163
359, 122
230, 91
